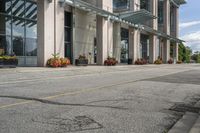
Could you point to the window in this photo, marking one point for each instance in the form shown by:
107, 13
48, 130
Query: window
160, 12
145, 4
121, 4
68, 36
18, 27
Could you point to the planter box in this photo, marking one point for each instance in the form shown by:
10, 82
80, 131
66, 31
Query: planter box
12, 63
81, 62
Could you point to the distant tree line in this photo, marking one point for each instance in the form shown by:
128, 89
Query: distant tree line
186, 55
196, 56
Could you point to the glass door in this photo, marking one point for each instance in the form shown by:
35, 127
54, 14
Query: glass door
124, 45
18, 32
68, 36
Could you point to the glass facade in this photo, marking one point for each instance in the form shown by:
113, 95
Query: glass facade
18, 29
68, 36
121, 4
145, 4
160, 12
144, 50
124, 45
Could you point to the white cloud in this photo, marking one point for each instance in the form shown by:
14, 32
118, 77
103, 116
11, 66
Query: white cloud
189, 24
192, 40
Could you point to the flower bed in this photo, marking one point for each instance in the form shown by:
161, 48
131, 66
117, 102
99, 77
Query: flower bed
170, 61
81, 61
56, 61
179, 62
110, 61
140, 62
8, 61
158, 61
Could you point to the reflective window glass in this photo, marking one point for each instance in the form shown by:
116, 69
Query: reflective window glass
5, 25
31, 47
121, 4
68, 19
18, 27
18, 8
5, 45
145, 4
68, 34
5, 6
18, 46
160, 12
31, 10
31, 29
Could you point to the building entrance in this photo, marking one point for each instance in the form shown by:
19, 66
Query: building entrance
68, 36
124, 45
18, 30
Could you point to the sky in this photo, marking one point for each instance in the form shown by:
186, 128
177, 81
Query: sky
190, 24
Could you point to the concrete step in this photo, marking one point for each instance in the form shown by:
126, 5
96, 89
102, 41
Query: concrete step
185, 124
196, 127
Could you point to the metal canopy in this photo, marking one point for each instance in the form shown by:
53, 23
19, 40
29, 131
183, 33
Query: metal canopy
137, 16
87, 7
131, 18
161, 34
177, 3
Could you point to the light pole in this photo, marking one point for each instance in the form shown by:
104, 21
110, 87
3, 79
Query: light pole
54, 27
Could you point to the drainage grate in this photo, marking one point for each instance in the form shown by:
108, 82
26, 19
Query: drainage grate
185, 108
78, 123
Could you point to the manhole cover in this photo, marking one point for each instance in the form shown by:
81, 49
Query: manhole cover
78, 123
185, 108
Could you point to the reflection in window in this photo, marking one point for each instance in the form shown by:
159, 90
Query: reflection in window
5, 6
160, 12
5, 44
145, 4
18, 48
31, 29
23, 24
18, 27
31, 10
121, 4
18, 8
5, 27
31, 47
124, 45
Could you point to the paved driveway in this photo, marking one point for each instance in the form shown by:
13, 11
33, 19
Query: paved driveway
95, 99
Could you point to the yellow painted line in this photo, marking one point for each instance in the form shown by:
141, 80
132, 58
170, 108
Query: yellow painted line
15, 104
66, 94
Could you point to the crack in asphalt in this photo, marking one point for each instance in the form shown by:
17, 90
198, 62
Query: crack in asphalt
62, 104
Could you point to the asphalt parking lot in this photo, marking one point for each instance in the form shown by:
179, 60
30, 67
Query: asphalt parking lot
96, 99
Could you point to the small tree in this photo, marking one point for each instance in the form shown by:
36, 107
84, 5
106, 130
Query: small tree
196, 56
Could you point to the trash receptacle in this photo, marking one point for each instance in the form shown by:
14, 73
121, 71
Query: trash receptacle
130, 61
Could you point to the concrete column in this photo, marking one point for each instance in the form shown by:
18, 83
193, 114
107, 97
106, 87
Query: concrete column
135, 5
45, 29
104, 33
166, 16
175, 50
117, 41
134, 35
60, 30
133, 44
166, 45
152, 48
153, 38
166, 51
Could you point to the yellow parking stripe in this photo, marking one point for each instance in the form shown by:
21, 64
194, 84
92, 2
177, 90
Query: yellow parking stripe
66, 94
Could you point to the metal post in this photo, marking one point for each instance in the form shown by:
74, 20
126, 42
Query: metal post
54, 26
